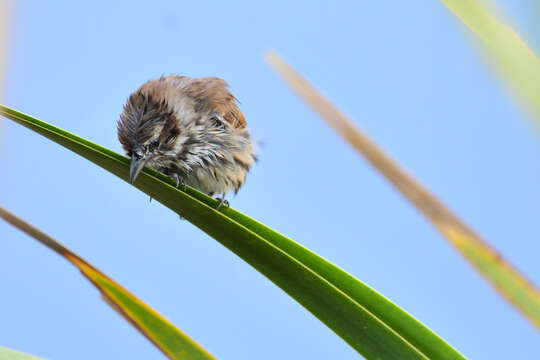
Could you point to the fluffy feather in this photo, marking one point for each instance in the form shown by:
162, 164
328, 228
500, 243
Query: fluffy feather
189, 129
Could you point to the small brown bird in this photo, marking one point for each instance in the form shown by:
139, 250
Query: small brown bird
189, 129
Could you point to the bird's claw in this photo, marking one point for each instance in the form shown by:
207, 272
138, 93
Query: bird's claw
222, 202
179, 181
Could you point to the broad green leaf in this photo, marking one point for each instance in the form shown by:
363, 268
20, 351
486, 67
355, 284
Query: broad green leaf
371, 324
8, 354
171, 341
504, 48
499, 272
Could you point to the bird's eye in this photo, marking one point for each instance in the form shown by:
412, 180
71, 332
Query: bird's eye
154, 144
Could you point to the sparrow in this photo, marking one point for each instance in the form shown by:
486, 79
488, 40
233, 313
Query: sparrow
189, 129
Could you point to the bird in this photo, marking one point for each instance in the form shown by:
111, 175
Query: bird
190, 129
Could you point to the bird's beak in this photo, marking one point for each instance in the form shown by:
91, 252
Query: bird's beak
137, 164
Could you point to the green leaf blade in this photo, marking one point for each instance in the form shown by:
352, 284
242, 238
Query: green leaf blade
343, 303
408, 327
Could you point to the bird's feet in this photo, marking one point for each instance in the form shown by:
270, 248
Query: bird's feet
179, 181
222, 202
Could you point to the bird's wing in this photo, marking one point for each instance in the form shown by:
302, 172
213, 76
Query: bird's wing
211, 94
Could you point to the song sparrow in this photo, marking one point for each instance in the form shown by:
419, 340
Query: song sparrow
189, 129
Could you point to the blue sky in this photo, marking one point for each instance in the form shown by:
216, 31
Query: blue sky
409, 75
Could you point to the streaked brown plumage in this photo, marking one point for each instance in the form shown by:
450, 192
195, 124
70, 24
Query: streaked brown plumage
189, 129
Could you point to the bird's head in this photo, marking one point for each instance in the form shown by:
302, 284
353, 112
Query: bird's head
147, 129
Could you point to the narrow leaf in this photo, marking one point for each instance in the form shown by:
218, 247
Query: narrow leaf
367, 321
171, 341
499, 272
504, 49
8, 354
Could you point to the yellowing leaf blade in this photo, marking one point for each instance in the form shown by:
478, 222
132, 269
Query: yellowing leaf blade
9, 354
505, 49
512, 285
170, 340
